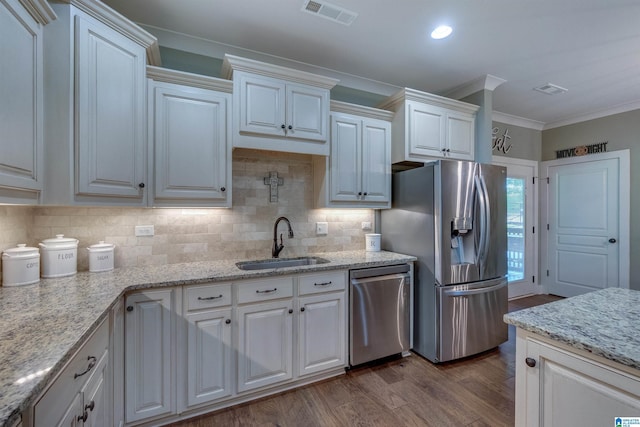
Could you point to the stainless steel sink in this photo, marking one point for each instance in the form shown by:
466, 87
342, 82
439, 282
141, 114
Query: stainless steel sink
264, 264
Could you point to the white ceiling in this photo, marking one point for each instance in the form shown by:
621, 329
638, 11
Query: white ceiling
590, 47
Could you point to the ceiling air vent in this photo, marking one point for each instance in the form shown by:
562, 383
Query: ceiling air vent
550, 89
329, 11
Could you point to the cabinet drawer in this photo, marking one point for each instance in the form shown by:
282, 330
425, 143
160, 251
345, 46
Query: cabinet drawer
322, 282
265, 289
206, 296
50, 408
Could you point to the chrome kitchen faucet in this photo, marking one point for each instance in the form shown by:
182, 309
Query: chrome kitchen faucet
277, 248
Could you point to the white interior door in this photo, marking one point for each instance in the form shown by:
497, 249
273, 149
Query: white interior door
587, 212
522, 225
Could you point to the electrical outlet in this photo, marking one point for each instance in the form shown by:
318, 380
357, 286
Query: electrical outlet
322, 228
366, 225
144, 230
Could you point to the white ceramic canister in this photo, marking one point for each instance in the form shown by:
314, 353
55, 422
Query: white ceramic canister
20, 266
59, 256
372, 242
101, 256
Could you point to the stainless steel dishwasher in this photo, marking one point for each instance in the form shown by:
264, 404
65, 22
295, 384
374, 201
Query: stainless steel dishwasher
379, 312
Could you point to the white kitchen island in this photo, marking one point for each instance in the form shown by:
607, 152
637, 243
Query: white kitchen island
578, 360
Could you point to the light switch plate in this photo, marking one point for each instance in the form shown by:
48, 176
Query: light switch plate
322, 228
144, 230
366, 225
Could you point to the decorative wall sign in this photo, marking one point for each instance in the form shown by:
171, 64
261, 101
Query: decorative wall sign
500, 142
582, 150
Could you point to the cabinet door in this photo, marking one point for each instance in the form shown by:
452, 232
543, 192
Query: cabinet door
96, 396
110, 109
191, 154
149, 354
265, 352
322, 333
209, 355
426, 130
460, 136
376, 161
72, 416
262, 105
307, 111
345, 160
21, 120
567, 389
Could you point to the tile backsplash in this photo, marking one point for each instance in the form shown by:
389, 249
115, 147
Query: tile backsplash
183, 235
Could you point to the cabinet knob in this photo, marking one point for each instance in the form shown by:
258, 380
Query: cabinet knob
365, 193
223, 189
130, 308
283, 126
227, 321
444, 150
530, 361
83, 417
290, 310
289, 127
141, 185
448, 150
90, 406
359, 193
612, 240
302, 309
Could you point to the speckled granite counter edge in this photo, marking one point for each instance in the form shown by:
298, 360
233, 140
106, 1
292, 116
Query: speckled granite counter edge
121, 281
600, 322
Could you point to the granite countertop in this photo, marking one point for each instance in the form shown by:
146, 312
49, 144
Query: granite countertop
42, 325
603, 322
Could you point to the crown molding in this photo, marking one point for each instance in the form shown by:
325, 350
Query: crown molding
39, 10
213, 49
618, 109
233, 63
487, 82
189, 79
407, 94
359, 110
508, 119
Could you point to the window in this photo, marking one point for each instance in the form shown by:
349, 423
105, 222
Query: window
515, 228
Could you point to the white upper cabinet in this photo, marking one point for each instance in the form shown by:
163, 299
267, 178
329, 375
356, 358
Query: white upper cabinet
358, 171
277, 108
21, 92
95, 140
427, 126
190, 121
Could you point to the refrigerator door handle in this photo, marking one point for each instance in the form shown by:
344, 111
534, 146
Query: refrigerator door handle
487, 216
476, 290
480, 192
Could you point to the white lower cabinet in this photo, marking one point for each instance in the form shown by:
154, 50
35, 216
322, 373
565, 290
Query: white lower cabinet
265, 348
80, 395
558, 386
322, 325
204, 347
150, 348
208, 360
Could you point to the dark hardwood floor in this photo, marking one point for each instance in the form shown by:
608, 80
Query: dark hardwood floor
410, 391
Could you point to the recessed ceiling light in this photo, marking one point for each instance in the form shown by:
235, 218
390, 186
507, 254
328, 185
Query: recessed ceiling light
441, 32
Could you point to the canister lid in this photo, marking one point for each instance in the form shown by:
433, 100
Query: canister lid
59, 242
21, 251
101, 246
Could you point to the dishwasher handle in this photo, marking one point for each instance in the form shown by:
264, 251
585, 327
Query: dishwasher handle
476, 291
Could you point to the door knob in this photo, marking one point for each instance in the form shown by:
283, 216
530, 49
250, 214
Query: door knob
612, 240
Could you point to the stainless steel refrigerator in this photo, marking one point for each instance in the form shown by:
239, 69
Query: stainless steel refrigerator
451, 215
